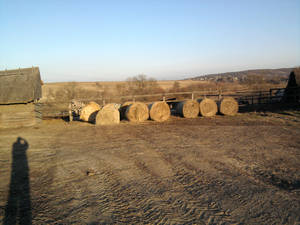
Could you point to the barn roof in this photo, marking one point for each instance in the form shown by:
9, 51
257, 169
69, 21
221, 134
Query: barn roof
20, 85
294, 78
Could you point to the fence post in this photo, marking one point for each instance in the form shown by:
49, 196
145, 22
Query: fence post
133, 98
164, 98
70, 112
220, 94
192, 95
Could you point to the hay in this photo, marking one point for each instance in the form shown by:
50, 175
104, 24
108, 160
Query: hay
228, 106
123, 108
127, 103
159, 111
207, 107
137, 112
188, 108
88, 112
108, 115
113, 106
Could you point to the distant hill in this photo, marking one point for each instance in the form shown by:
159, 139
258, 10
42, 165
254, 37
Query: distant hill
278, 75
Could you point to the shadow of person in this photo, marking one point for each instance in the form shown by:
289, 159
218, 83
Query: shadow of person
18, 207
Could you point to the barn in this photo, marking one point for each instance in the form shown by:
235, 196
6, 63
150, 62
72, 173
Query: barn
20, 89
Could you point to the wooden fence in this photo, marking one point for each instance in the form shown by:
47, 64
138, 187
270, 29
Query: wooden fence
243, 96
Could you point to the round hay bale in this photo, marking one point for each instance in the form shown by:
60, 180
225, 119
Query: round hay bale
113, 106
123, 108
127, 103
228, 106
88, 112
108, 115
137, 112
188, 108
159, 111
207, 107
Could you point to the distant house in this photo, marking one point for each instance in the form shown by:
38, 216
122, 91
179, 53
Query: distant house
19, 89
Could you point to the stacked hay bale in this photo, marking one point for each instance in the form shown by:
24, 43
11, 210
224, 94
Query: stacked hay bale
134, 111
187, 109
89, 112
228, 106
108, 115
207, 107
159, 111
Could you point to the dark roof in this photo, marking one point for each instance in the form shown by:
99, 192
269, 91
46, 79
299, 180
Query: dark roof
20, 85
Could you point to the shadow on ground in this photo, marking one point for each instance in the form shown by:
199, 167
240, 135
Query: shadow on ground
18, 207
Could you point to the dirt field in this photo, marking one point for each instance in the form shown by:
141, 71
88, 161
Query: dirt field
223, 170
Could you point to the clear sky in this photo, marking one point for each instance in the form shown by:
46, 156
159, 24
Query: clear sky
94, 40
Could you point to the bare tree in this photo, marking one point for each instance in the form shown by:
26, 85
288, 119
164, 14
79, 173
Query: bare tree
141, 84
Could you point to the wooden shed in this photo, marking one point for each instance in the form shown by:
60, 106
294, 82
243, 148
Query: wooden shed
19, 89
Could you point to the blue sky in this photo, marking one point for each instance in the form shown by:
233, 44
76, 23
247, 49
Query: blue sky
91, 40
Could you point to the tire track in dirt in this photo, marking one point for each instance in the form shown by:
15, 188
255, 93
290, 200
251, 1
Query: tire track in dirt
143, 176
191, 184
149, 198
150, 195
236, 168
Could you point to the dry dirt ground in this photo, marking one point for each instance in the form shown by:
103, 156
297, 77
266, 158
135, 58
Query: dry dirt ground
223, 170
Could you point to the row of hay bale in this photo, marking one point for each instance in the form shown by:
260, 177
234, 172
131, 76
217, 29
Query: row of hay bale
132, 111
158, 111
206, 107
